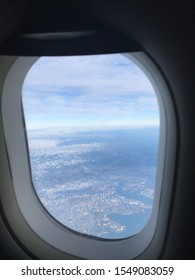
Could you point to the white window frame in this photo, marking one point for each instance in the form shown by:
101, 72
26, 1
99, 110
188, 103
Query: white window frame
46, 233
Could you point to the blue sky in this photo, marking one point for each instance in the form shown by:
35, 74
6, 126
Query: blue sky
88, 91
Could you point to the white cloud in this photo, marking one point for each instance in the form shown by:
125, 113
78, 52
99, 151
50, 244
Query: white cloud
88, 71
47, 147
94, 88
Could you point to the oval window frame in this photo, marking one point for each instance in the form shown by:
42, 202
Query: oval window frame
142, 245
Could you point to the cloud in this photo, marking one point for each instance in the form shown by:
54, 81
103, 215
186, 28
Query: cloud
44, 146
88, 71
79, 89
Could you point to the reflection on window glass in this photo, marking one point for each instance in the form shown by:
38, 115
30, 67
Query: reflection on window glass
93, 130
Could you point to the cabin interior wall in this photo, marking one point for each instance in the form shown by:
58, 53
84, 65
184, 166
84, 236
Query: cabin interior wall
165, 30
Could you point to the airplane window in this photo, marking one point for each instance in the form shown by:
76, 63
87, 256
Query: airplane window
92, 125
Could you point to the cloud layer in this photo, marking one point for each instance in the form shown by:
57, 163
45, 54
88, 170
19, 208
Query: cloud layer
99, 90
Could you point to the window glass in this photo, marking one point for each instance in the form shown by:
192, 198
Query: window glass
92, 127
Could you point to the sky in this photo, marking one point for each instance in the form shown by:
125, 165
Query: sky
93, 91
